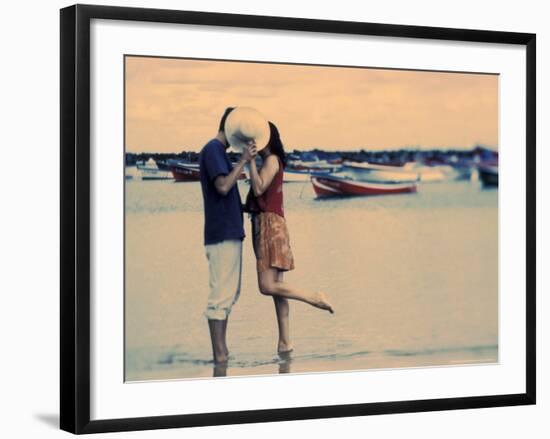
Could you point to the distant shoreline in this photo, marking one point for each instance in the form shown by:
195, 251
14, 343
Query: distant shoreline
394, 156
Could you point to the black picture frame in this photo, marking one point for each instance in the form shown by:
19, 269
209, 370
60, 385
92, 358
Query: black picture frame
75, 217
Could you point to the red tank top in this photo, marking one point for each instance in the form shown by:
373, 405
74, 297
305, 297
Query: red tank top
272, 199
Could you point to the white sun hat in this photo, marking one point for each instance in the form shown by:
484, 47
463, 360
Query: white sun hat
245, 124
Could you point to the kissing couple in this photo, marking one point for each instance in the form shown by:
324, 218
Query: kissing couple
245, 129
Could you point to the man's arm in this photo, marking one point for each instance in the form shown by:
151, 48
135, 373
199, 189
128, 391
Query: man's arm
224, 183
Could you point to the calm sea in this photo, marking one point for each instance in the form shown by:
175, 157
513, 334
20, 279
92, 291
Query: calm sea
413, 279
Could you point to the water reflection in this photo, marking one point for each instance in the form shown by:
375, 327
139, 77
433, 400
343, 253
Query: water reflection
220, 369
284, 364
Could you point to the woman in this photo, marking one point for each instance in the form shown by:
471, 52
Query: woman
270, 236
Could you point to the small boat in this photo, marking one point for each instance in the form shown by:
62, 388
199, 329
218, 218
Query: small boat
345, 185
183, 171
150, 171
313, 165
300, 170
488, 174
381, 173
301, 175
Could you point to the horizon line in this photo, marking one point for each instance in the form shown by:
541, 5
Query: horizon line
290, 151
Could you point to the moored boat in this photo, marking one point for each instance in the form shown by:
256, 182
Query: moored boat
300, 175
381, 173
345, 185
185, 171
313, 165
150, 171
298, 170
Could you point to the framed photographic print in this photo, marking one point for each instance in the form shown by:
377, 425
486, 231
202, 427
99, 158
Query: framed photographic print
273, 218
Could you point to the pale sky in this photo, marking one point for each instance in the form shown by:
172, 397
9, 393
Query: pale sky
175, 104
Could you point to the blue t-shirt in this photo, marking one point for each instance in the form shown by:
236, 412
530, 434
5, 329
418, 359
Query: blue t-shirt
223, 215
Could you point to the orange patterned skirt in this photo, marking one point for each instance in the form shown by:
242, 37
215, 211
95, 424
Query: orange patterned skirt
271, 242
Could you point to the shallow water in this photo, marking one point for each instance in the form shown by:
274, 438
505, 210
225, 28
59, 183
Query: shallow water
413, 279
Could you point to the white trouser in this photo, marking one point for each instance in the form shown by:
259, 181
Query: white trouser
224, 269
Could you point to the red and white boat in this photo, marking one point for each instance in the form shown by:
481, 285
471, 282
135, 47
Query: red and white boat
341, 185
185, 171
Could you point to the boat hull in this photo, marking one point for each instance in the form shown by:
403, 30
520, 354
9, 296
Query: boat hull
185, 173
334, 187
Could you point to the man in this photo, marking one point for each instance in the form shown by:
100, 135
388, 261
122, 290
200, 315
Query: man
223, 233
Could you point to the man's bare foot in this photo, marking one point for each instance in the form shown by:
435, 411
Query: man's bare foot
323, 303
284, 348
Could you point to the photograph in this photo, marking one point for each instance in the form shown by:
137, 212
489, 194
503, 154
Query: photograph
298, 218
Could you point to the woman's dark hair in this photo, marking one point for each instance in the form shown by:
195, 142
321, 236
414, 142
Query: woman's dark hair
224, 117
275, 145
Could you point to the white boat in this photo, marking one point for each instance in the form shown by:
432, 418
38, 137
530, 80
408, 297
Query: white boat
301, 175
382, 173
312, 165
301, 170
150, 171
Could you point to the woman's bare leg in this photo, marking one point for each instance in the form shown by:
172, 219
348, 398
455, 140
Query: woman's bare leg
270, 285
282, 310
